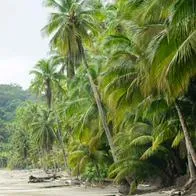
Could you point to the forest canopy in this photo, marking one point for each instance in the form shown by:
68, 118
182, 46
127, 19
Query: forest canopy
11, 97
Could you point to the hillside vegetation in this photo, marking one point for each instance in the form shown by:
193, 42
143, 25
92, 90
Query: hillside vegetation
11, 97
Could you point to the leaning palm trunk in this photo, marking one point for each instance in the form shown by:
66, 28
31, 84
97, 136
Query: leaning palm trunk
189, 145
191, 168
192, 177
102, 113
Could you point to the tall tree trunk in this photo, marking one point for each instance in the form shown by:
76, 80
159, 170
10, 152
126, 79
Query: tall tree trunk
191, 167
189, 145
70, 64
70, 69
63, 148
48, 93
192, 175
102, 113
60, 138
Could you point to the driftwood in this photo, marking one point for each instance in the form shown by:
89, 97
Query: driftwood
33, 179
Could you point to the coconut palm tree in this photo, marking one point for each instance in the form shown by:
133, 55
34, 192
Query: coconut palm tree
169, 50
172, 55
87, 151
42, 128
166, 39
68, 24
46, 76
71, 25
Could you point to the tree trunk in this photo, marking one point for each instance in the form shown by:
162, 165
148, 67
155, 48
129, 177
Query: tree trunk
48, 93
192, 176
191, 167
60, 138
189, 145
70, 70
70, 64
97, 169
102, 113
63, 149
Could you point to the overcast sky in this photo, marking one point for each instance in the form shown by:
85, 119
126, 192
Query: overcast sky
21, 43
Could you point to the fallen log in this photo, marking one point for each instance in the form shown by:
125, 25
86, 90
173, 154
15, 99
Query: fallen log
33, 179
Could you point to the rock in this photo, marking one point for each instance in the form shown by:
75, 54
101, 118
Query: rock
124, 188
156, 182
180, 181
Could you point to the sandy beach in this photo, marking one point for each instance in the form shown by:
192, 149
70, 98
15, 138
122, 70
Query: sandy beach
16, 183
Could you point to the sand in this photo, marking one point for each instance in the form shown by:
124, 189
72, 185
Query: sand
16, 183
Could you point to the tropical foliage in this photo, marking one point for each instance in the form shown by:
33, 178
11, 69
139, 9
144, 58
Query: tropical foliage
120, 92
11, 97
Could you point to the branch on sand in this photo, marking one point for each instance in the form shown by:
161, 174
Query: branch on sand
33, 179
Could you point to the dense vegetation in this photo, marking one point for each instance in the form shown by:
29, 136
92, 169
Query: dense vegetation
11, 97
120, 92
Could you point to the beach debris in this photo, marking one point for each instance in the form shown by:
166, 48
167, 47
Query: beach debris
33, 179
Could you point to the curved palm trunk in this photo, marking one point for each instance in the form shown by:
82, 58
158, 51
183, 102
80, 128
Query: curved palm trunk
191, 167
189, 145
99, 104
192, 174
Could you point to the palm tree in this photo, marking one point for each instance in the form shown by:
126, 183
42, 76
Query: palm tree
167, 41
171, 54
42, 128
169, 49
85, 152
67, 25
172, 58
46, 76
71, 25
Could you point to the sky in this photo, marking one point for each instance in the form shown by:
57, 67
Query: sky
21, 41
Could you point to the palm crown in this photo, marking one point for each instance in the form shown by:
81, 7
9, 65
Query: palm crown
46, 75
69, 23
